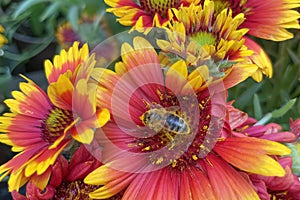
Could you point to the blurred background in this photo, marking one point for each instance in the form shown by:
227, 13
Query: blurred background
36, 30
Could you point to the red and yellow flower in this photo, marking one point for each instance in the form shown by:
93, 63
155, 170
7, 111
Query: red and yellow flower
68, 61
138, 156
201, 36
286, 187
268, 19
244, 126
40, 125
269, 187
66, 35
67, 179
144, 13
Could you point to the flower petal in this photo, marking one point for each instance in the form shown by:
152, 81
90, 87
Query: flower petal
227, 182
254, 157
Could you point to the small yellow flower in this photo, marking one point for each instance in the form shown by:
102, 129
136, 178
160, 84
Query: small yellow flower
3, 39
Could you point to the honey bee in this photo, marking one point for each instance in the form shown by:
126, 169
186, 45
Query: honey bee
159, 119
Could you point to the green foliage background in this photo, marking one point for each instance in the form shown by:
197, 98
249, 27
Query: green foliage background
258, 99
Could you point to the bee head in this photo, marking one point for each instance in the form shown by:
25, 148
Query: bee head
145, 118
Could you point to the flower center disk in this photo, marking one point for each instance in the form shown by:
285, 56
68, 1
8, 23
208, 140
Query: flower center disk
55, 124
74, 190
178, 138
159, 6
204, 38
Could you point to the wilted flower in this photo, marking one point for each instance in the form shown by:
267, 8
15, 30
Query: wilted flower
295, 127
66, 35
89, 29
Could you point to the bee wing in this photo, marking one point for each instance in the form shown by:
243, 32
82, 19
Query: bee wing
173, 108
140, 132
156, 106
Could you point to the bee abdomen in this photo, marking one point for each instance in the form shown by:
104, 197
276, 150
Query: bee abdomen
176, 124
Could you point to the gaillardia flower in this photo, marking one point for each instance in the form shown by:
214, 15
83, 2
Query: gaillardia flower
200, 37
144, 13
244, 126
269, 187
68, 61
39, 125
67, 179
286, 187
265, 19
165, 139
66, 35
99, 31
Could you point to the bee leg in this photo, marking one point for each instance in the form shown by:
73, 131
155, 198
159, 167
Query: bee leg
171, 139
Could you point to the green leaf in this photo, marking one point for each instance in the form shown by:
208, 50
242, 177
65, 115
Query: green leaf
98, 19
29, 52
5, 79
25, 6
295, 57
51, 10
281, 111
277, 113
257, 107
245, 97
296, 158
73, 15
